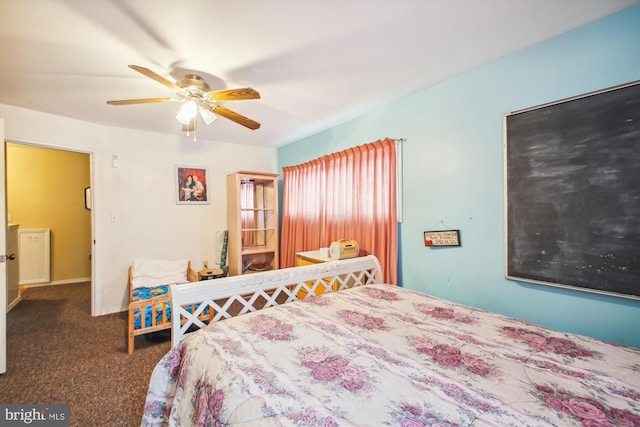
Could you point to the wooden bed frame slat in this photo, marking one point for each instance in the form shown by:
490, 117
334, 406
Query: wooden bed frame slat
275, 287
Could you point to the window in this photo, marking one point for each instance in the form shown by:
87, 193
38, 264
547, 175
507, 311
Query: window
350, 194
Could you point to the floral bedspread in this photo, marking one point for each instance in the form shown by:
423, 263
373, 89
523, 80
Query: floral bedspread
379, 355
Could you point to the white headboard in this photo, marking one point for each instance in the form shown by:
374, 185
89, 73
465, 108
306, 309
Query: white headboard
273, 287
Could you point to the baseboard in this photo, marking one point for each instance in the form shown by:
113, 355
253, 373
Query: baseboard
112, 310
13, 303
55, 283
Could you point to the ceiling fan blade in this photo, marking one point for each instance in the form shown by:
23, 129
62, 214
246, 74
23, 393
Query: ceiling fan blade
147, 72
140, 101
232, 115
234, 94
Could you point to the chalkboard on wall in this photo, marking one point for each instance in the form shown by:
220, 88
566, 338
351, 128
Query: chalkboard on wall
573, 192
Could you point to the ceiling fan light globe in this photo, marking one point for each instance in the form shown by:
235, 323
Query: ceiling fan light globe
207, 116
187, 112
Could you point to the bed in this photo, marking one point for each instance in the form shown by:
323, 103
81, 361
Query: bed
372, 354
149, 306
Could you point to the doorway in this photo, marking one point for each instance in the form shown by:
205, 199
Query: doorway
46, 191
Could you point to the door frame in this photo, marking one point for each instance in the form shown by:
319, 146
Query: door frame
3, 232
3, 250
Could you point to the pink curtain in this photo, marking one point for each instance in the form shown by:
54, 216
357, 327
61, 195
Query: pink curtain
346, 195
302, 206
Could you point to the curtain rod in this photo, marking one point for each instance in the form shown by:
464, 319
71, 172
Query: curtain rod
399, 139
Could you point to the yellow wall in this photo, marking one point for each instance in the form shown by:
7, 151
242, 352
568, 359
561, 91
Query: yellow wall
45, 189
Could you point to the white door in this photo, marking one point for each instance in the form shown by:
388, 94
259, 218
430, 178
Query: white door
3, 251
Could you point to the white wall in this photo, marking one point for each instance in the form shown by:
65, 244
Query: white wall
142, 192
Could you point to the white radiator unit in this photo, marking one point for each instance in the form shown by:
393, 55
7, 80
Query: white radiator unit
34, 255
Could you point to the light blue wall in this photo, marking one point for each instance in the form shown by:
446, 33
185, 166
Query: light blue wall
453, 172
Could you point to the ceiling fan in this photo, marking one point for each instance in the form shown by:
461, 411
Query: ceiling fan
196, 96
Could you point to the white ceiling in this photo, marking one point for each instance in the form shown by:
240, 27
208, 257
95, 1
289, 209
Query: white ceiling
316, 63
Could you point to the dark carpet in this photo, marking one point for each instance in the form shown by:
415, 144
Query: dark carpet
58, 353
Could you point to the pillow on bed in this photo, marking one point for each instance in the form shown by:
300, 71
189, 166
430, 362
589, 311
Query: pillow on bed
154, 272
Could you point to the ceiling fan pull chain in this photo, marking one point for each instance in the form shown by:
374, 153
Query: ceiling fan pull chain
195, 128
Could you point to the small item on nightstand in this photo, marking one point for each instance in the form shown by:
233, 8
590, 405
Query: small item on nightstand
210, 274
343, 249
324, 252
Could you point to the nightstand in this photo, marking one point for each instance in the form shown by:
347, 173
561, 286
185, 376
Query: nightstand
313, 257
